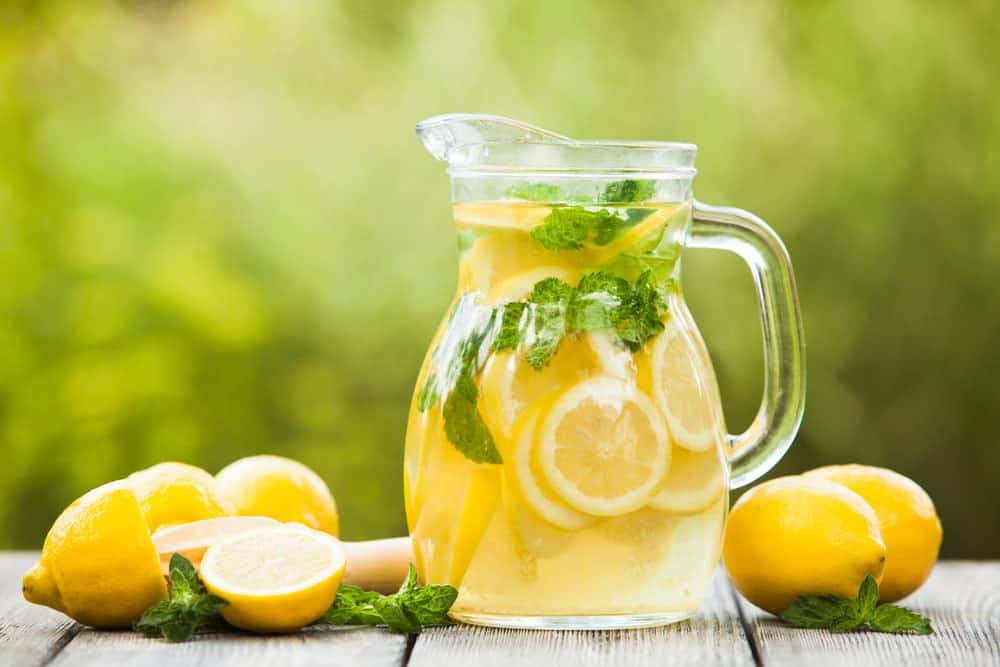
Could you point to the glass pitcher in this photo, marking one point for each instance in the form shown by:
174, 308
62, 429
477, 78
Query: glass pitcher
567, 463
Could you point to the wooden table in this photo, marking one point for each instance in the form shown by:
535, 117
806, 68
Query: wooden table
962, 599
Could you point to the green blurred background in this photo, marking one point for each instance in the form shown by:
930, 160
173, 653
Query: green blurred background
219, 237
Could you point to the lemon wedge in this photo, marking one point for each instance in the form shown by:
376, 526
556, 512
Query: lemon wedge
275, 579
603, 447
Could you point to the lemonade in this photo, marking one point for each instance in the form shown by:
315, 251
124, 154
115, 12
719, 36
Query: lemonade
565, 446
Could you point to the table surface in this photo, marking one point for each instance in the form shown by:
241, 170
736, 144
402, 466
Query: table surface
962, 599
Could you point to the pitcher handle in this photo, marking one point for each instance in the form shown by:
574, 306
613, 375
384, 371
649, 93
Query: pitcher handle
761, 446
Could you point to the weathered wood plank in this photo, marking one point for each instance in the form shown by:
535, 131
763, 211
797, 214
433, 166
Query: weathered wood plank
962, 599
29, 634
335, 647
714, 637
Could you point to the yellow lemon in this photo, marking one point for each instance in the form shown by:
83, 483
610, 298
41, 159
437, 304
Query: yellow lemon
170, 493
275, 579
98, 564
794, 536
280, 488
695, 481
603, 447
908, 521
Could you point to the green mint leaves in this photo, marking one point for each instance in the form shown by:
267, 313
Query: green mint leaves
413, 608
535, 192
616, 192
553, 311
567, 227
841, 614
188, 609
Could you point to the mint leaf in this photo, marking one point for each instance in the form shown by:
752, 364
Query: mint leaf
464, 426
890, 618
628, 191
551, 299
817, 611
535, 191
599, 300
867, 597
188, 608
428, 395
413, 608
640, 318
565, 228
511, 325
840, 614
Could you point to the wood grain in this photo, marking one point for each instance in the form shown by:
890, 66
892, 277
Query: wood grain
962, 599
714, 637
29, 635
333, 647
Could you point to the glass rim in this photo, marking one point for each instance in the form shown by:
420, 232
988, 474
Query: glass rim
658, 160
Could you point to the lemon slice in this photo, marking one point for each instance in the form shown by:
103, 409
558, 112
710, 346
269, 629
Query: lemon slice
275, 579
612, 357
603, 447
481, 498
695, 481
683, 387
628, 240
505, 215
519, 286
510, 385
192, 539
529, 484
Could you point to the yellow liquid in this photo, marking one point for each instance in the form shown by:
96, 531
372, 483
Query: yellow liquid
581, 518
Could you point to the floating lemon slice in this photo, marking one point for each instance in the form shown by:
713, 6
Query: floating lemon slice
695, 481
659, 217
506, 215
603, 447
510, 385
275, 579
682, 388
612, 357
529, 482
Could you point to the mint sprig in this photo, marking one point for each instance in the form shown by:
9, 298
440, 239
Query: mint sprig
538, 325
841, 614
411, 609
189, 607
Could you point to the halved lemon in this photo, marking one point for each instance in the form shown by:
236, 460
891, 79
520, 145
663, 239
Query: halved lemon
275, 579
682, 384
603, 447
529, 483
695, 481
192, 539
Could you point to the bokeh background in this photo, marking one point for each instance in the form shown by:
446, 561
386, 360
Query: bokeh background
219, 237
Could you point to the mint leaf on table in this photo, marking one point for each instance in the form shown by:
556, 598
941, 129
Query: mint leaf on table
628, 191
534, 191
413, 608
189, 607
841, 614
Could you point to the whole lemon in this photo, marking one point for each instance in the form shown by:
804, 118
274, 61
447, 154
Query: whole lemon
794, 536
98, 564
280, 488
170, 493
908, 521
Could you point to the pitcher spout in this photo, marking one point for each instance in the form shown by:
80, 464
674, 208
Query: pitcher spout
440, 135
